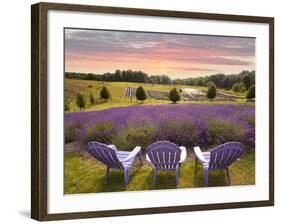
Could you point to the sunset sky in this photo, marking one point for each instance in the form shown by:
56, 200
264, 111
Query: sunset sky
175, 55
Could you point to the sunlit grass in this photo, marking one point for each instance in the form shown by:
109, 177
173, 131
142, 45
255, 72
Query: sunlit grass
83, 174
118, 99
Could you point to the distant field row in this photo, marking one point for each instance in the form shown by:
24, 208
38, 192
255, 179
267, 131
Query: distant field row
117, 89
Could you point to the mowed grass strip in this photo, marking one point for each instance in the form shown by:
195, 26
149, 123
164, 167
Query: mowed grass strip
84, 174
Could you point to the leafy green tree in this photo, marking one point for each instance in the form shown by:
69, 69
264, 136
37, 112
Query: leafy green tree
212, 91
236, 87
247, 81
104, 93
92, 99
251, 92
141, 94
174, 95
80, 101
118, 75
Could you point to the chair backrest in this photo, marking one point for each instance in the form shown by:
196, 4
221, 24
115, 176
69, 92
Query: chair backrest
104, 154
223, 155
164, 155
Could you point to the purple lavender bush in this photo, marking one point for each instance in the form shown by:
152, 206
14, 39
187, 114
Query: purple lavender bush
189, 125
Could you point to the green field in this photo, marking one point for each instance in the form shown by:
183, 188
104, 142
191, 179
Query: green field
83, 174
118, 99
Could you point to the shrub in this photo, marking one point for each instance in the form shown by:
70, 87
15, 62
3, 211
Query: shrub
70, 131
92, 99
174, 95
140, 93
251, 92
100, 132
239, 87
80, 101
212, 91
224, 131
236, 87
243, 89
131, 136
104, 93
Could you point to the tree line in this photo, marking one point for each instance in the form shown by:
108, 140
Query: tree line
244, 79
240, 82
121, 76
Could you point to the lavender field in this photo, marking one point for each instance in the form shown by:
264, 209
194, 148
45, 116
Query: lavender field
188, 124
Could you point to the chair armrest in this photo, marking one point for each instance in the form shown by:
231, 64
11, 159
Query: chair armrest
183, 154
132, 154
112, 147
199, 154
147, 158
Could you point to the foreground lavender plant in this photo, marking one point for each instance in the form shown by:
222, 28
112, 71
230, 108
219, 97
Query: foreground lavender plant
189, 125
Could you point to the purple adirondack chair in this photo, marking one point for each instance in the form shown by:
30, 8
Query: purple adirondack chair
114, 159
165, 155
219, 158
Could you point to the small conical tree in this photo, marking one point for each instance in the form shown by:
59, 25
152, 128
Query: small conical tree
92, 99
104, 93
212, 91
80, 101
140, 93
174, 95
251, 93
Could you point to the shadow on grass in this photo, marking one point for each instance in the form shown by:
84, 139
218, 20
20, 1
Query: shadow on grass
84, 174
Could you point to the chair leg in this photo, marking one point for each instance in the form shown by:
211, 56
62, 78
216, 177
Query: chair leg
106, 175
228, 176
126, 176
195, 166
177, 176
154, 176
139, 155
206, 176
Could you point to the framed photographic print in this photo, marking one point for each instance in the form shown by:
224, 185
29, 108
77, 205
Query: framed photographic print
140, 111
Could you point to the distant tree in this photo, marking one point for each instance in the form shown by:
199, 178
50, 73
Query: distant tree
141, 94
236, 87
66, 105
118, 75
247, 81
209, 83
225, 82
174, 95
251, 92
212, 91
80, 101
92, 99
104, 93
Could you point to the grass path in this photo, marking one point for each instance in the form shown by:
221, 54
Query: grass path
83, 174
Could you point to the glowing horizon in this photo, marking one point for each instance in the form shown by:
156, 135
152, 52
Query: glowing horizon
175, 55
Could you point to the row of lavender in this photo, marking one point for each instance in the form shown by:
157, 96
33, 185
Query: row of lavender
188, 125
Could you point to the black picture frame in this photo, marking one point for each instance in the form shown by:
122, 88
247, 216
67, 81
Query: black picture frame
39, 107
